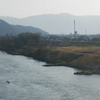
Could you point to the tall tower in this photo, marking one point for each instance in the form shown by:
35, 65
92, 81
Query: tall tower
74, 26
75, 32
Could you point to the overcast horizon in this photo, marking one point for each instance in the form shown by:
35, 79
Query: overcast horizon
25, 8
47, 14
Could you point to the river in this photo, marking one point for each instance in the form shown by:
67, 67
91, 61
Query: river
29, 80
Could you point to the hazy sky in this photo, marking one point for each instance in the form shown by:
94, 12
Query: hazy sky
24, 8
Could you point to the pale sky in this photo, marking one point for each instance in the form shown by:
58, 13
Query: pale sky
25, 8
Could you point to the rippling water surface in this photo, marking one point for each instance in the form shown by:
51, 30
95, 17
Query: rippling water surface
29, 80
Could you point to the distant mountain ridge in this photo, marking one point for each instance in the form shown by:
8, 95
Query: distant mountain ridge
6, 28
60, 23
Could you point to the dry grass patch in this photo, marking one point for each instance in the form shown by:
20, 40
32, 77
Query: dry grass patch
79, 57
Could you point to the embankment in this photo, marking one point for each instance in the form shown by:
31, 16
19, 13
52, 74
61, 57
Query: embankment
85, 58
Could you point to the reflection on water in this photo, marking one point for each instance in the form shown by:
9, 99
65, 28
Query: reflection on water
29, 80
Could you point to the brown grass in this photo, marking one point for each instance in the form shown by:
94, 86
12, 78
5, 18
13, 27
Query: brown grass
89, 56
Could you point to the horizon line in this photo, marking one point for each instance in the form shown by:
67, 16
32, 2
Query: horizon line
49, 14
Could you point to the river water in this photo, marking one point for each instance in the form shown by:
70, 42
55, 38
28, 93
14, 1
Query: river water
29, 80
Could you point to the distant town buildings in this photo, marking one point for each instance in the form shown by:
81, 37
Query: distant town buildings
73, 36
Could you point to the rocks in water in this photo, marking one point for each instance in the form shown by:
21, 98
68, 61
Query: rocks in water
83, 73
88, 72
8, 82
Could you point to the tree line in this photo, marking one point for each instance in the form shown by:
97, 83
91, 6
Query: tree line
10, 43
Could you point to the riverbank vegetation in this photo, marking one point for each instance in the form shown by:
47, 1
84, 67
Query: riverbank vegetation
80, 55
